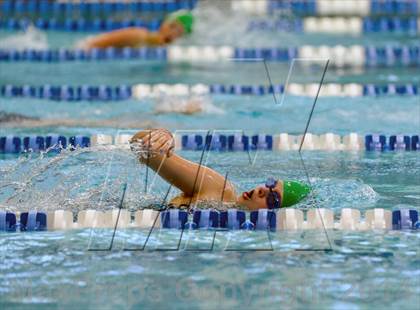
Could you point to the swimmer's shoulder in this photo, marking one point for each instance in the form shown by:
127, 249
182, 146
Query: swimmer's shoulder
181, 201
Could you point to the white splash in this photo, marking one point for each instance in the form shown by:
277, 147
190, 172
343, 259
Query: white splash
31, 38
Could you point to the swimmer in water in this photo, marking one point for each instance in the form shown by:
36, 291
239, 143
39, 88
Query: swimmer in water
173, 27
187, 105
200, 183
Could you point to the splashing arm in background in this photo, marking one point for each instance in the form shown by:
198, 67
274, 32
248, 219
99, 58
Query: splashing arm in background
173, 27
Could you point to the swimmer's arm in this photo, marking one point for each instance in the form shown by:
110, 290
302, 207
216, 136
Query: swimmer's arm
127, 37
191, 178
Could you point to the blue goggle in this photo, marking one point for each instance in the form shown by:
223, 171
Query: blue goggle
273, 198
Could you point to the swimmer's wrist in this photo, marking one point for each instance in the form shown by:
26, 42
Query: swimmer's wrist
157, 143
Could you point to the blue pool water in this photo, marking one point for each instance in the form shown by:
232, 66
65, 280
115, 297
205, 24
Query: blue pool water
369, 269
388, 115
55, 270
364, 268
73, 179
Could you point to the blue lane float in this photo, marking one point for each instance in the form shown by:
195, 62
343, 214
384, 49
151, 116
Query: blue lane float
33, 221
393, 25
390, 89
392, 55
210, 219
299, 7
394, 7
394, 143
156, 54
227, 142
263, 219
233, 219
405, 219
205, 219
174, 219
7, 221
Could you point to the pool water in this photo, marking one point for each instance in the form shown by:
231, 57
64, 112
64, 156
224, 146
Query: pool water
131, 72
364, 270
62, 269
388, 115
86, 178
55, 270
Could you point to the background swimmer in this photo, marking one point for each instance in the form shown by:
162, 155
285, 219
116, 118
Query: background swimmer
188, 105
6, 117
173, 27
200, 183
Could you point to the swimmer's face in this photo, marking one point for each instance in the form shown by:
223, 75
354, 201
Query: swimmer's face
256, 198
171, 31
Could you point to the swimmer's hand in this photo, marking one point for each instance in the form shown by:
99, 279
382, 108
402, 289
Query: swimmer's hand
151, 143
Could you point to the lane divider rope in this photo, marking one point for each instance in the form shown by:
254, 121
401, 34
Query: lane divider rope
350, 25
81, 24
221, 142
233, 219
389, 55
296, 7
328, 7
340, 25
43, 7
140, 91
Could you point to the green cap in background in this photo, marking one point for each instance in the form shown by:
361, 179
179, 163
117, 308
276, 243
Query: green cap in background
184, 17
293, 192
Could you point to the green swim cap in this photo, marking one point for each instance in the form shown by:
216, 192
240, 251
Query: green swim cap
184, 17
293, 192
